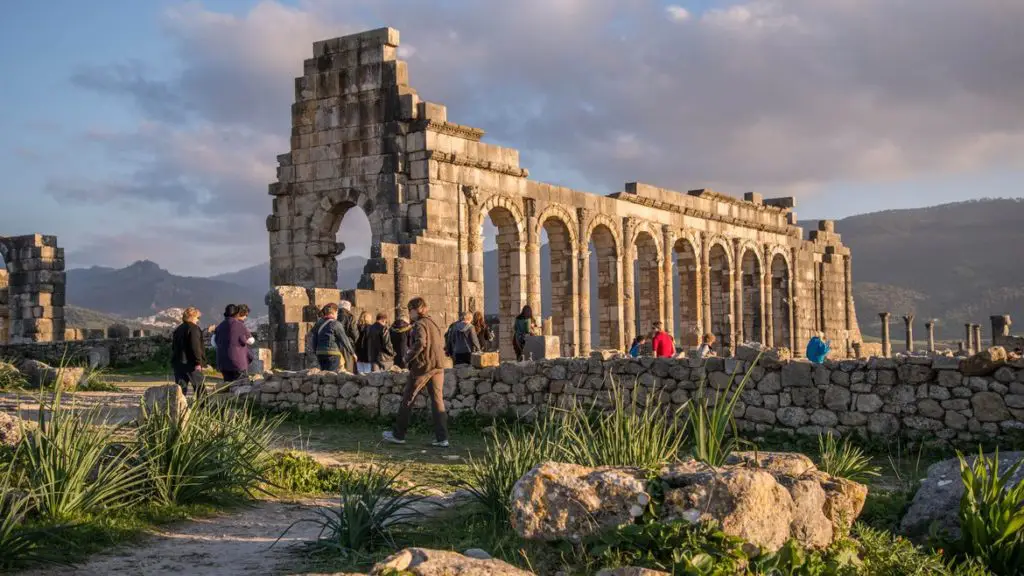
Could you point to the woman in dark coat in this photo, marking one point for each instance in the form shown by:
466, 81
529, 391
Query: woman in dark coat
399, 333
523, 324
188, 354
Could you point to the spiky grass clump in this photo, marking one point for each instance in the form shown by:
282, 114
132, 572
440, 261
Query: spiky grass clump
843, 459
712, 427
992, 515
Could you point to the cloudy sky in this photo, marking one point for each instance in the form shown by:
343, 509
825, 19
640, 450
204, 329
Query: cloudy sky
150, 129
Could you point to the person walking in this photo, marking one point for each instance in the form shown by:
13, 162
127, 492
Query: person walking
662, 342
188, 355
332, 342
363, 365
460, 341
521, 329
705, 350
425, 360
818, 348
232, 340
348, 324
484, 334
399, 333
379, 351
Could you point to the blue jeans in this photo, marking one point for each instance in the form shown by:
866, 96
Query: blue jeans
331, 363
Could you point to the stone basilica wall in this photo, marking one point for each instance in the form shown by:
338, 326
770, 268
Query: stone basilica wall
116, 351
880, 398
361, 137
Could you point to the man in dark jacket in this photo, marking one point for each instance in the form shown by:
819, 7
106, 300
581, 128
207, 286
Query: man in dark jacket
332, 342
188, 354
426, 370
379, 351
400, 332
232, 340
460, 341
348, 324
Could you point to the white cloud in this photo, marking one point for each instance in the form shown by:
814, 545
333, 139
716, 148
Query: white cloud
677, 13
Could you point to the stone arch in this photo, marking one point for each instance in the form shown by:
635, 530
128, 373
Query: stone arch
719, 278
751, 269
607, 247
507, 217
561, 227
782, 319
322, 245
646, 265
689, 313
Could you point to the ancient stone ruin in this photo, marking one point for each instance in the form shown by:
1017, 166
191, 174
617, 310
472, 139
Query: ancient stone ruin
32, 289
362, 137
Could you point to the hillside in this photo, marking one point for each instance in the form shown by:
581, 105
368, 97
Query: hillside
350, 269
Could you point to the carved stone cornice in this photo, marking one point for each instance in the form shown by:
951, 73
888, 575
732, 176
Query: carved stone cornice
793, 231
450, 129
472, 162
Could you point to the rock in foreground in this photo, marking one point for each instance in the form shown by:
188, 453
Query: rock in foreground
425, 562
161, 399
938, 499
764, 498
10, 430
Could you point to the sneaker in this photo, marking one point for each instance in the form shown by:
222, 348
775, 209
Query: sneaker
389, 436
439, 443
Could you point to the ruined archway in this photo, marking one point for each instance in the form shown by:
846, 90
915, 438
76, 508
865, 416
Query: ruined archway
781, 303
648, 288
510, 273
607, 306
323, 246
720, 294
687, 311
561, 288
752, 286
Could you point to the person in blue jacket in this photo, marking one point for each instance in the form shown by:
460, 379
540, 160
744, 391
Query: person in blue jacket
638, 345
818, 349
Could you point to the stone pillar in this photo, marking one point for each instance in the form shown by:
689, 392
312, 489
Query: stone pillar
584, 285
767, 304
908, 321
969, 339
848, 286
886, 344
705, 280
289, 325
668, 273
628, 280
1000, 328
977, 337
858, 350
738, 331
533, 260
930, 327
961, 346
36, 288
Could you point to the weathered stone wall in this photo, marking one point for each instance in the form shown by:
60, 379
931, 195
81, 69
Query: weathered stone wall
121, 351
880, 398
35, 290
361, 137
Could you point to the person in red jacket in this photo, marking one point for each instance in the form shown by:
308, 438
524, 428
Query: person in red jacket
662, 343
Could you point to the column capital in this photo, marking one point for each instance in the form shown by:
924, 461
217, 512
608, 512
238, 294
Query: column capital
884, 316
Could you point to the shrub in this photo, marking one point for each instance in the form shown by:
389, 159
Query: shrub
511, 452
844, 460
19, 544
72, 466
211, 450
676, 547
96, 380
370, 513
301, 473
992, 515
710, 423
884, 555
10, 377
645, 436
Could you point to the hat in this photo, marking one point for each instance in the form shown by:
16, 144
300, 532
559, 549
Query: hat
346, 305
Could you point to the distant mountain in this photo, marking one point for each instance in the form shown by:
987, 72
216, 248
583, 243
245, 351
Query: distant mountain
144, 289
350, 269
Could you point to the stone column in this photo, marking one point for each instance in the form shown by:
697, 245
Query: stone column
930, 327
1000, 328
858, 350
886, 344
584, 285
533, 261
767, 304
977, 337
848, 281
628, 279
908, 321
738, 330
969, 339
668, 296
705, 280
475, 245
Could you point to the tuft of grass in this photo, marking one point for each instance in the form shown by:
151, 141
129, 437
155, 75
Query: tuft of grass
10, 377
20, 545
992, 515
712, 427
97, 380
371, 512
844, 460
73, 467
211, 450
298, 473
645, 436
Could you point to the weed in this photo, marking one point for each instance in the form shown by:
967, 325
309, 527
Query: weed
299, 473
844, 460
992, 515
710, 422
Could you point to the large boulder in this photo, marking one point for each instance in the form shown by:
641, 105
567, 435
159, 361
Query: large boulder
10, 430
557, 501
425, 562
937, 502
764, 498
99, 357
41, 375
161, 399
984, 363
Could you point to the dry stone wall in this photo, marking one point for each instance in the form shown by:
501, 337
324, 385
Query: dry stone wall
102, 351
879, 398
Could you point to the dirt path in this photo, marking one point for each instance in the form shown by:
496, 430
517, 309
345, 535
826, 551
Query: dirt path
234, 544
